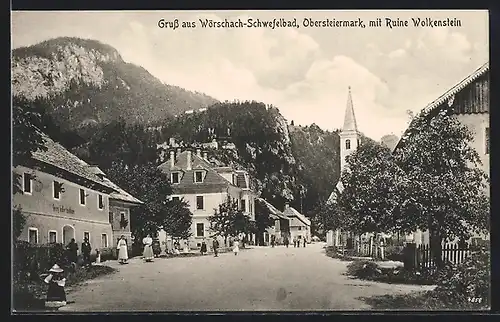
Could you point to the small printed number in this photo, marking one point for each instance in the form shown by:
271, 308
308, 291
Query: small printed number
475, 299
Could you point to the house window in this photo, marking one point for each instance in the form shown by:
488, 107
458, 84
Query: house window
100, 202
200, 230
243, 205
27, 183
86, 235
175, 177
300, 228
82, 197
123, 221
176, 199
104, 240
487, 140
347, 144
199, 202
33, 235
52, 236
57, 189
198, 177
110, 217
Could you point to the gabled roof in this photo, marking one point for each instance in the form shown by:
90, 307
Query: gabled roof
273, 212
212, 182
59, 157
119, 193
447, 96
290, 212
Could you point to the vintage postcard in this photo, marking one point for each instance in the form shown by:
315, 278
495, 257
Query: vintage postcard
272, 161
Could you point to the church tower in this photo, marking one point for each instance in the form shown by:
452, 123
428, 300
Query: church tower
349, 135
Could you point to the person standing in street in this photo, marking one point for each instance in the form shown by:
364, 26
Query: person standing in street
148, 248
72, 249
86, 249
273, 240
215, 245
294, 241
304, 242
236, 247
203, 249
286, 241
122, 250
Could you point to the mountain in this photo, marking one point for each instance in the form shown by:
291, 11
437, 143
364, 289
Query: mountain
84, 82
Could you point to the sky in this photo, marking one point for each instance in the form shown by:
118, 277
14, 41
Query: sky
305, 72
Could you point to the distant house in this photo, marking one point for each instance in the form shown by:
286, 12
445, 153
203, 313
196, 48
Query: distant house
300, 225
281, 227
205, 184
63, 198
470, 102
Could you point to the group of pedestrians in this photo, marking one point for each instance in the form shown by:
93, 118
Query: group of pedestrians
72, 252
215, 247
297, 242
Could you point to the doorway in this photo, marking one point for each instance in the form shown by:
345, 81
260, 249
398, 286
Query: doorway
68, 233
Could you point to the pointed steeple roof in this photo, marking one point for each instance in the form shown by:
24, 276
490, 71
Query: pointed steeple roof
349, 118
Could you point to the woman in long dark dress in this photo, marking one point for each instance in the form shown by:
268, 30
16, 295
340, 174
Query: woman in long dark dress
203, 248
56, 296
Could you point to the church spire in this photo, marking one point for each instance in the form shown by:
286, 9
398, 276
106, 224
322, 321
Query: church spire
349, 118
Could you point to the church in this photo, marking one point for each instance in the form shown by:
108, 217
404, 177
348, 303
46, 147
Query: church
349, 142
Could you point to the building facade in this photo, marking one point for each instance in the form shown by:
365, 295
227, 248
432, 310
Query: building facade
204, 185
62, 198
470, 101
281, 223
300, 226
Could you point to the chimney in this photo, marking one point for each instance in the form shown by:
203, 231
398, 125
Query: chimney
178, 151
172, 158
172, 142
205, 156
287, 205
198, 152
189, 163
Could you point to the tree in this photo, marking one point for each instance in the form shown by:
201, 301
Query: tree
327, 216
151, 186
372, 186
229, 220
26, 139
445, 190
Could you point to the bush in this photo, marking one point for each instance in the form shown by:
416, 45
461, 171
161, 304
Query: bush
466, 284
369, 270
31, 260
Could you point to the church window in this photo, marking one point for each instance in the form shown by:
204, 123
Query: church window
347, 144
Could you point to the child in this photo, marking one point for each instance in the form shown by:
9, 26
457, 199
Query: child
56, 296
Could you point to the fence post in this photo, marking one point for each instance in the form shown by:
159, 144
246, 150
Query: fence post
409, 253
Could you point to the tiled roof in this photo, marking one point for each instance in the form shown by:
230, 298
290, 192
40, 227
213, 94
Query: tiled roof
212, 182
122, 195
272, 210
56, 155
290, 212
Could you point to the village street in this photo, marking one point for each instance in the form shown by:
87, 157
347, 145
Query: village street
262, 278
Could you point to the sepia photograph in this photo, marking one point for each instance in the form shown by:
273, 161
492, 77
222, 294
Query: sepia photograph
250, 161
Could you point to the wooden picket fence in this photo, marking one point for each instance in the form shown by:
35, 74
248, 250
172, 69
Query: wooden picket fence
450, 253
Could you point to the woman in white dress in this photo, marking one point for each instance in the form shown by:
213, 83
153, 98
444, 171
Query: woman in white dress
122, 250
236, 247
148, 248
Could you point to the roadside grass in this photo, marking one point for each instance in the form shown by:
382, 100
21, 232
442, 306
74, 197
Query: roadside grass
30, 295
